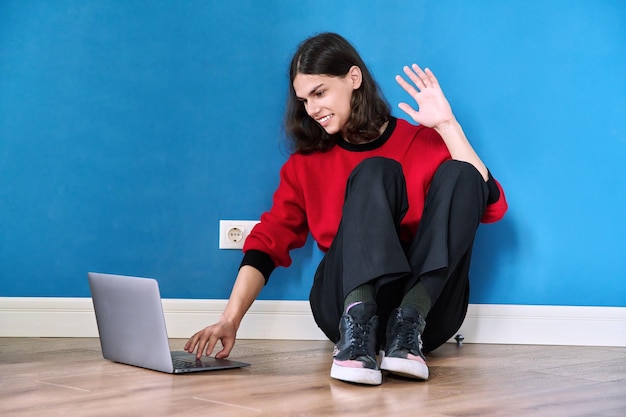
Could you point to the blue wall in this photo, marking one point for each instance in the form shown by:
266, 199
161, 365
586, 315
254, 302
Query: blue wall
129, 128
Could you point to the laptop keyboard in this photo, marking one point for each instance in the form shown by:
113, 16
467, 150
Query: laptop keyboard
186, 363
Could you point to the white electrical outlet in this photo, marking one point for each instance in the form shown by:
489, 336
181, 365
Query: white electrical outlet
233, 233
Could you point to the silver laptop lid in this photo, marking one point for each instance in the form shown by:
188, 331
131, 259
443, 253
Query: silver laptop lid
130, 321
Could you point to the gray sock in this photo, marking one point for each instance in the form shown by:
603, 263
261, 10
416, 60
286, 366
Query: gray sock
363, 293
418, 298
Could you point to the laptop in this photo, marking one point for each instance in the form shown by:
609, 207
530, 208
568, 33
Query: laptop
132, 328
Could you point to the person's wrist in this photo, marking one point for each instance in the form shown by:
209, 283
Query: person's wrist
226, 320
446, 126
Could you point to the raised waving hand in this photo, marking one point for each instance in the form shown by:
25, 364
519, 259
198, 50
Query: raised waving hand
433, 107
433, 110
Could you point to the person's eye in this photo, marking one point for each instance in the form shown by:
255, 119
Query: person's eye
320, 93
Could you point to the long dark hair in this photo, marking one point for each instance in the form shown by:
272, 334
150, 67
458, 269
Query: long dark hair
330, 54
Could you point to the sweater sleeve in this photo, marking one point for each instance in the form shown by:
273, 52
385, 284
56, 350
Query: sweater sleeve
496, 202
283, 228
260, 261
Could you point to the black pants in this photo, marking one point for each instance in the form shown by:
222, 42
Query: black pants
367, 248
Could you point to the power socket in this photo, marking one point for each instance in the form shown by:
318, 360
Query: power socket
233, 233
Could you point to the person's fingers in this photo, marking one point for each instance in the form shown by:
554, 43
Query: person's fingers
409, 110
191, 344
205, 341
431, 77
227, 346
421, 77
406, 86
200, 343
415, 77
210, 346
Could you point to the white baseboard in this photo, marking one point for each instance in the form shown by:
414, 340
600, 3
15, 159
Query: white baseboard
485, 323
545, 325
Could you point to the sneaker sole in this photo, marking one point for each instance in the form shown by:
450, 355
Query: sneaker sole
357, 375
405, 367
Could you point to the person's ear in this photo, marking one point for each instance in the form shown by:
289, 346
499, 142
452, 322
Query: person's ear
356, 76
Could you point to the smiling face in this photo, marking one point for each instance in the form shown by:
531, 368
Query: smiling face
327, 99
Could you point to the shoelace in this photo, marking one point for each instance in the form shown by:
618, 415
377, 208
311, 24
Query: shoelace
406, 334
360, 337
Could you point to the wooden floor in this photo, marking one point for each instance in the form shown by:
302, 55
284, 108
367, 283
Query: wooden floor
68, 377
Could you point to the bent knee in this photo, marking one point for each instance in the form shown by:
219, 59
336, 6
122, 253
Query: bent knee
377, 167
459, 170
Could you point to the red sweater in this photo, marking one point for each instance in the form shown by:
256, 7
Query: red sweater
312, 187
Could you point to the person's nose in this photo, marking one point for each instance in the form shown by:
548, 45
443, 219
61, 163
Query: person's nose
313, 108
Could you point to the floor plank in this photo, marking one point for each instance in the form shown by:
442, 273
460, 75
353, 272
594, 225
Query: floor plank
69, 377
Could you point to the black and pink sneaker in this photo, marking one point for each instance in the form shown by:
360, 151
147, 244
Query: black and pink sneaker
354, 358
403, 352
